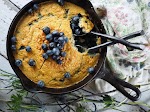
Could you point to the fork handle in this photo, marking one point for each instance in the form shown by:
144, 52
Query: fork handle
117, 40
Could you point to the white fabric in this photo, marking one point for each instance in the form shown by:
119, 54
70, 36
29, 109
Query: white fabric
124, 17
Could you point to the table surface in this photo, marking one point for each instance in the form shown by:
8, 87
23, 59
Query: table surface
8, 9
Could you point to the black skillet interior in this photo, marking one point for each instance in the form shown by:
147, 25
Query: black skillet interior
29, 85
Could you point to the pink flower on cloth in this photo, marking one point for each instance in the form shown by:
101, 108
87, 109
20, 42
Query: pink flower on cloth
121, 16
123, 20
118, 14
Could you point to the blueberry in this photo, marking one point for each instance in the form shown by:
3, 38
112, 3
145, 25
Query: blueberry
52, 45
31, 62
22, 47
18, 62
55, 39
35, 6
75, 19
59, 46
55, 33
78, 31
49, 52
74, 26
57, 57
63, 54
13, 47
66, 39
54, 57
91, 70
63, 43
40, 84
59, 61
30, 11
67, 75
56, 51
44, 46
28, 49
61, 34
49, 37
61, 39
46, 30
45, 55
79, 15
61, 2
13, 40
62, 80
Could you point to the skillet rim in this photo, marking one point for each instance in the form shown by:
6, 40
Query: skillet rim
27, 83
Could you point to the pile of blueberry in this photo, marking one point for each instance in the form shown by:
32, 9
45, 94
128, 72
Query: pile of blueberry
75, 25
56, 40
34, 8
13, 43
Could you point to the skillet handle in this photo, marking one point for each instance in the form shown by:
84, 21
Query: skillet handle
119, 84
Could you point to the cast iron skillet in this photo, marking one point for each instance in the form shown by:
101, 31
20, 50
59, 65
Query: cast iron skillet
101, 70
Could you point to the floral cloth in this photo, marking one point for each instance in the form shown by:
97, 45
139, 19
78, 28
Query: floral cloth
125, 17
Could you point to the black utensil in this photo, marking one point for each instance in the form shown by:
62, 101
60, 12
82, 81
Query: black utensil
115, 39
129, 36
126, 37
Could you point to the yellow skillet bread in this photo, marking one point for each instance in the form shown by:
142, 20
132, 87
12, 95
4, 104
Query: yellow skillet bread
29, 33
